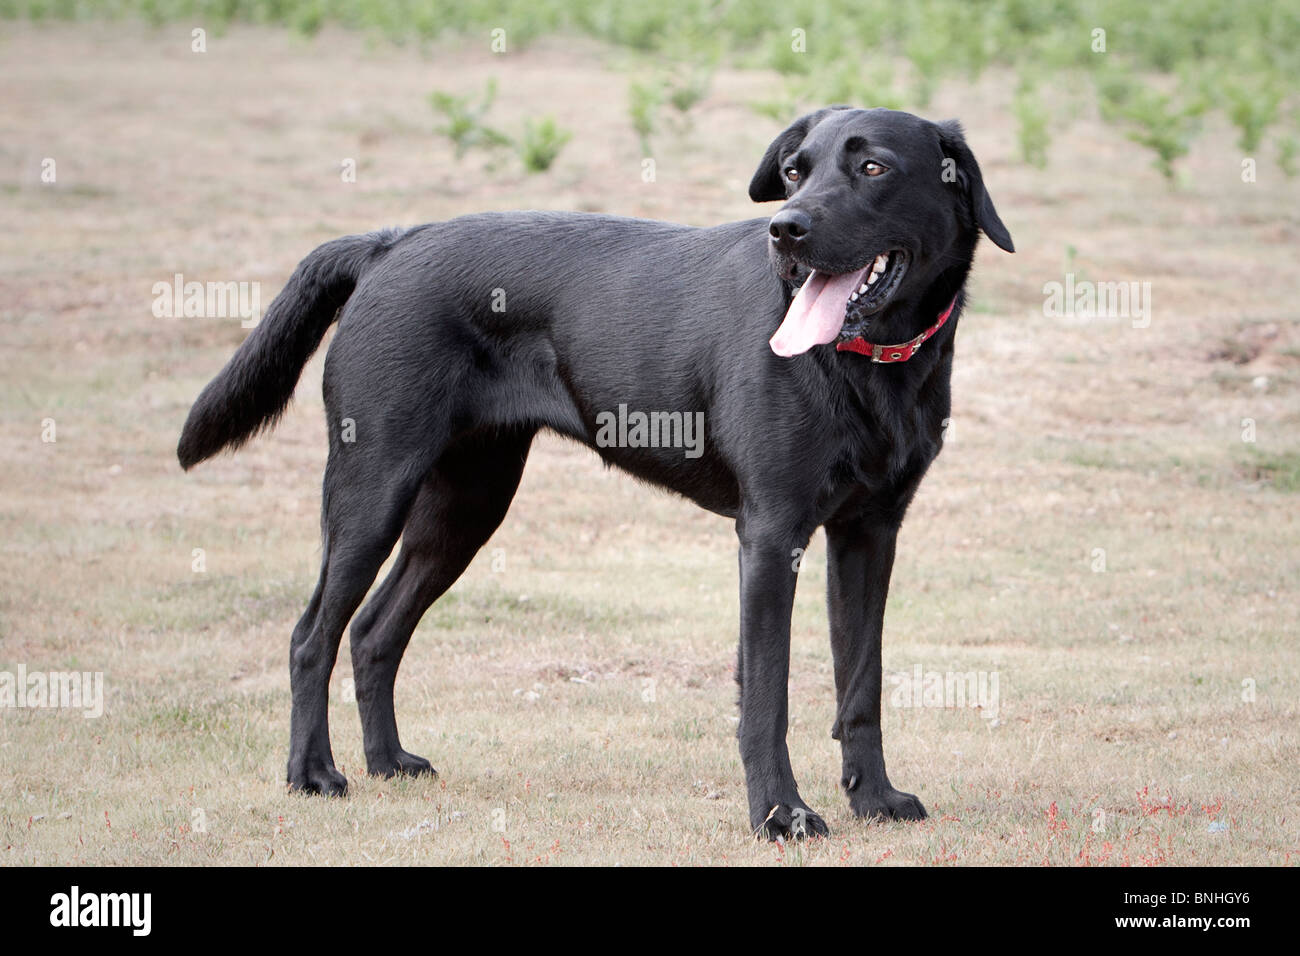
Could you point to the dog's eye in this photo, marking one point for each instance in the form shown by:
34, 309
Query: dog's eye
874, 169
792, 174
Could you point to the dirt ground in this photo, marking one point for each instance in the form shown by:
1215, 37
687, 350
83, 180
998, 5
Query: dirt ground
1097, 532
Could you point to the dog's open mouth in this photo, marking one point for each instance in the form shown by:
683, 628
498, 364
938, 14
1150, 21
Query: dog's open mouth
838, 305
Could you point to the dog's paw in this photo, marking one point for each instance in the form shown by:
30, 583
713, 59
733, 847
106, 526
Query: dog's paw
317, 777
887, 804
400, 763
787, 822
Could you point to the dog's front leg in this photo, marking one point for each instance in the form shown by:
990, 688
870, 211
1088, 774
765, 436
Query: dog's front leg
860, 557
767, 582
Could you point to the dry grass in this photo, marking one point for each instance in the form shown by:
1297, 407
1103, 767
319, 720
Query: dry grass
1121, 691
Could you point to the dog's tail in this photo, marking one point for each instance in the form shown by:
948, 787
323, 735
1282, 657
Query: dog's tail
253, 390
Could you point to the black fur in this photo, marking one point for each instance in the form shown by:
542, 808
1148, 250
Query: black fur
458, 341
253, 390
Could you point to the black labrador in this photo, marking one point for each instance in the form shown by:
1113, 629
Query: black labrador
818, 345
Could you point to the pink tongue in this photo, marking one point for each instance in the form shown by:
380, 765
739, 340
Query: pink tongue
817, 312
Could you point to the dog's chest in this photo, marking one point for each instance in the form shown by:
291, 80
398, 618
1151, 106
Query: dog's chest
889, 446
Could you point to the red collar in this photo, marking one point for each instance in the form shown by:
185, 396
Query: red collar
895, 353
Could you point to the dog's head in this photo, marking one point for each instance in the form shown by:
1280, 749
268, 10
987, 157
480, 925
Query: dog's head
882, 212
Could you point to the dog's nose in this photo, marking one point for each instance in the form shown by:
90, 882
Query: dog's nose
788, 228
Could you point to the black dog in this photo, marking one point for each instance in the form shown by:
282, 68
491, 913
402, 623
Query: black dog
458, 341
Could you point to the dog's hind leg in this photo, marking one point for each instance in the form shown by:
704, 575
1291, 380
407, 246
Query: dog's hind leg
460, 504
365, 503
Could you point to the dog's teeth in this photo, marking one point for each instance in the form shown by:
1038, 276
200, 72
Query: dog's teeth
854, 296
872, 278
863, 289
881, 262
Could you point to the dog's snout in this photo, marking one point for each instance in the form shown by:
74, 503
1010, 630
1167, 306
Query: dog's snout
788, 228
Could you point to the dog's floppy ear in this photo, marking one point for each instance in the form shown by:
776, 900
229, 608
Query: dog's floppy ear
768, 184
968, 177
